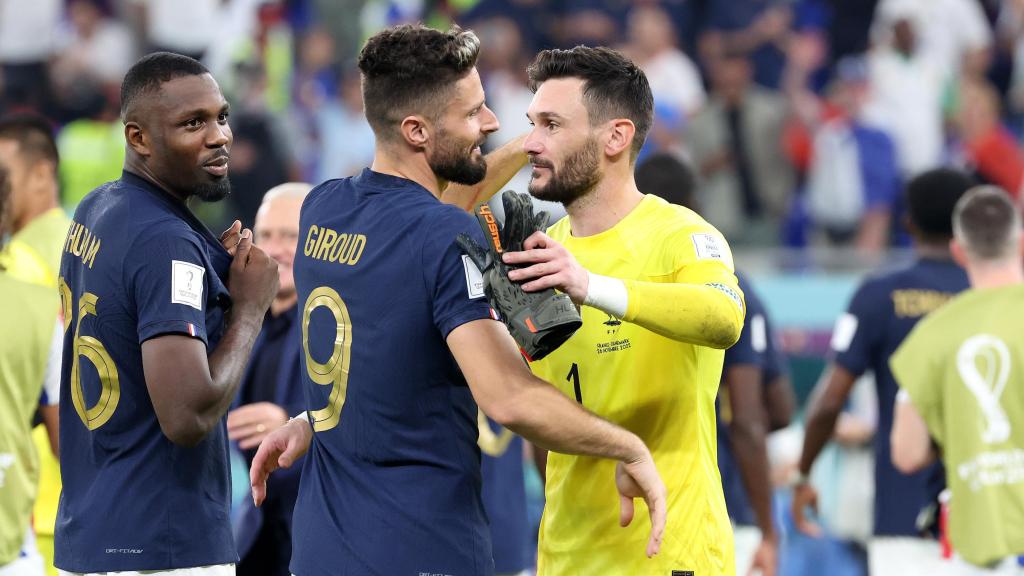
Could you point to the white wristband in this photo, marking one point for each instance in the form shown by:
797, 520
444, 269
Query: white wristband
303, 415
607, 294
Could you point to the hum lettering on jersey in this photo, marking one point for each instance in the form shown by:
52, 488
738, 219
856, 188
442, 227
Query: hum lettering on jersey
391, 483
136, 265
884, 309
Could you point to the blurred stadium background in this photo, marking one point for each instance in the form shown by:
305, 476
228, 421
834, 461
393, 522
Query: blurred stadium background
760, 97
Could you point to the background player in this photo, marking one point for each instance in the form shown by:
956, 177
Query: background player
882, 312
394, 327
962, 392
660, 303
160, 319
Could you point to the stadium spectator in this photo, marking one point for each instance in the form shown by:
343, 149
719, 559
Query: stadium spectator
398, 340
755, 29
881, 313
93, 51
270, 388
652, 43
990, 149
146, 290
185, 27
346, 140
659, 304
961, 391
747, 183
907, 84
27, 42
29, 367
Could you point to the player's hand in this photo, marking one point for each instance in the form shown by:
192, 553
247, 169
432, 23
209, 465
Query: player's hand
640, 479
766, 558
249, 425
804, 496
547, 264
229, 239
253, 278
280, 449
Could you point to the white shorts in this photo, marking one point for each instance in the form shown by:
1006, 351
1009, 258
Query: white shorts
218, 570
905, 556
29, 562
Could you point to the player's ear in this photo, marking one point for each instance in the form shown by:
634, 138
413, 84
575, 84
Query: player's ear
137, 139
620, 136
416, 131
958, 252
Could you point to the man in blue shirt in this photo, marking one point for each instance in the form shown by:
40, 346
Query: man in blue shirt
398, 342
883, 311
160, 316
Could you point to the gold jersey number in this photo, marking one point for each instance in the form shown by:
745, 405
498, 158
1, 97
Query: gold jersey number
334, 372
93, 350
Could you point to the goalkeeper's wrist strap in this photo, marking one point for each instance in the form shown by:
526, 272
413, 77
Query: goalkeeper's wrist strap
607, 294
302, 416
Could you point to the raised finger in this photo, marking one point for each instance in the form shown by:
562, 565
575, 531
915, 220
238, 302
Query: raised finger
528, 256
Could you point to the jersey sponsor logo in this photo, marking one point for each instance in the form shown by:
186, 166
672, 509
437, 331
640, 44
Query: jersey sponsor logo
187, 284
707, 246
484, 213
843, 333
984, 365
474, 279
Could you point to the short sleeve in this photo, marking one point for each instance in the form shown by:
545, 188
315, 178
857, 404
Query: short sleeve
453, 281
915, 366
857, 331
744, 351
51, 379
168, 279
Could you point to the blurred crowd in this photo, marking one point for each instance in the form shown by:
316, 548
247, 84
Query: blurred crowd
802, 118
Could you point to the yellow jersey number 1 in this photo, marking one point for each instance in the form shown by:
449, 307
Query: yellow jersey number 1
334, 372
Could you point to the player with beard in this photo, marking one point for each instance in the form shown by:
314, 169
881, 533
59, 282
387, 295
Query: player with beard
398, 342
659, 301
159, 318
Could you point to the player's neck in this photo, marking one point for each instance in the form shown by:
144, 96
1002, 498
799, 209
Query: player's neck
995, 275
933, 251
411, 167
614, 197
38, 205
142, 170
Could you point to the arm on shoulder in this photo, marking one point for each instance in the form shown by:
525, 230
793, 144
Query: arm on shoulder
502, 165
912, 448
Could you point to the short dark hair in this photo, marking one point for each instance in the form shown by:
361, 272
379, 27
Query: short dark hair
987, 223
668, 177
931, 197
34, 136
410, 69
152, 71
613, 86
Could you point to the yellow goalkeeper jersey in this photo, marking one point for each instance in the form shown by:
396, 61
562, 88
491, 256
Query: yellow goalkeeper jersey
661, 389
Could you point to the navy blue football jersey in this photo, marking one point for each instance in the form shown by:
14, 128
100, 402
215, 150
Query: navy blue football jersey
391, 482
882, 312
756, 347
136, 265
504, 493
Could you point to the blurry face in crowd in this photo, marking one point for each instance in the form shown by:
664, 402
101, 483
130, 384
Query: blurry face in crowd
462, 128
277, 233
564, 149
27, 179
903, 37
730, 77
188, 139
